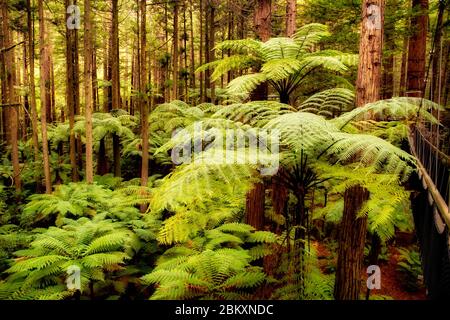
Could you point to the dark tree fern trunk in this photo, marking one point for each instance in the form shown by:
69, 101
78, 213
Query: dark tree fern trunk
102, 161
254, 208
351, 246
116, 155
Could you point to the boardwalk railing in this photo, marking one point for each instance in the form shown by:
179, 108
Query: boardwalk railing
431, 213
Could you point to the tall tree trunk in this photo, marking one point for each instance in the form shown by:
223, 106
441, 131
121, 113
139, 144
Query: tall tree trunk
192, 63
388, 67
72, 88
263, 27
263, 19
175, 50
143, 100
43, 59
88, 90
211, 52
200, 52
438, 59
415, 83
115, 77
34, 115
402, 88
8, 94
353, 229
351, 246
291, 14
115, 63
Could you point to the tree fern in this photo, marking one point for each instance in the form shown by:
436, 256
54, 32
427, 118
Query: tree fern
96, 247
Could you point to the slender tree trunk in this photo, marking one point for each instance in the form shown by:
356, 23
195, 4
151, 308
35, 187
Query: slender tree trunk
143, 101
263, 27
115, 63
192, 63
88, 90
438, 62
291, 14
8, 94
34, 114
211, 52
415, 83
207, 84
351, 246
200, 52
43, 58
353, 229
72, 89
175, 51
404, 66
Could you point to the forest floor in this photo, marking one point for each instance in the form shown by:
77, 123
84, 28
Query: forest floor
391, 284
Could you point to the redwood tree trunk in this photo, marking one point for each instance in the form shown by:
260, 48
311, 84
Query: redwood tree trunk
34, 115
263, 19
353, 229
351, 246
115, 63
72, 89
291, 12
43, 57
143, 101
254, 207
175, 51
8, 94
263, 26
88, 90
415, 85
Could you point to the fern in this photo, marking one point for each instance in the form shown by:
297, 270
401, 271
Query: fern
98, 247
211, 267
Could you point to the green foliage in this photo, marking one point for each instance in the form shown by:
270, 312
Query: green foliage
81, 199
98, 247
315, 285
388, 204
284, 63
410, 267
212, 266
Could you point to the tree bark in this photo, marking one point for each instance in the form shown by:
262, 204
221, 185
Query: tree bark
438, 59
8, 94
43, 58
415, 83
143, 101
263, 19
88, 90
192, 63
175, 51
402, 89
353, 230
351, 246
115, 63
254, 208
291, 14
370, 53
34, 114
72, 89
211, 52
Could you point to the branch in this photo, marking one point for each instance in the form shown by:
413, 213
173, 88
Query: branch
11, 47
